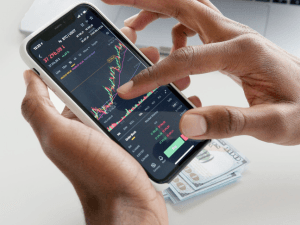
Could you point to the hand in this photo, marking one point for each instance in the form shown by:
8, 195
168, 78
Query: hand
112, 186
269, 76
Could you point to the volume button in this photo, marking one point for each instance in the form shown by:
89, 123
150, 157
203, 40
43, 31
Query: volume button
37, 72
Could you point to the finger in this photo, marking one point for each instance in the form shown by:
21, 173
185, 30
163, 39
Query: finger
129, 33
180, 64
183, 83
210, 5
151, 53
196, 101
139, 21
190, 13
37, 107
260, 121
67, 113
180, 33
142, 19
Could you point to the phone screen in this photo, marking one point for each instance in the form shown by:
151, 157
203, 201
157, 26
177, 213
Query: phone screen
89, 60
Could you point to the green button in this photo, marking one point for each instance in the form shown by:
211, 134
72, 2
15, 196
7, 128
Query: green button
174, 147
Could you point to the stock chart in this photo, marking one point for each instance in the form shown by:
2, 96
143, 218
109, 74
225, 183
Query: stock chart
90, 62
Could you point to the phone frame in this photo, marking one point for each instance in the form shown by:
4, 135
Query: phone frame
85, 117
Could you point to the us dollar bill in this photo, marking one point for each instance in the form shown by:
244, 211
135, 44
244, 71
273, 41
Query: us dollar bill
217, 159
180, 190
218, 164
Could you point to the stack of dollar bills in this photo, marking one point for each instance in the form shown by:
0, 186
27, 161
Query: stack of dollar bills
217, 165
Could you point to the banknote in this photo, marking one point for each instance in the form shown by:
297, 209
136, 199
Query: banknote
192, 177
217, 159
217, 165
180, 190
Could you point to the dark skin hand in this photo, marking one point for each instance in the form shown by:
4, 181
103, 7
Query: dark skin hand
112, 186
269, 76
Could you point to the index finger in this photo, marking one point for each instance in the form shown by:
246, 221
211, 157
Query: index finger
180, 64
144, 18
191, 13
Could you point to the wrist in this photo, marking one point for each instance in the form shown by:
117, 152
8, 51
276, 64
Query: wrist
124, 210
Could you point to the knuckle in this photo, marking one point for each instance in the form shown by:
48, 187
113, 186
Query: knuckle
280, 123
144, 74
213, 15
249, 42
28, 107
31, 105
178, 8
184, 55
154, 75
176, 12
148, 74
185, 58
242, 28
233, 121
51, 141
252, 48
52, 137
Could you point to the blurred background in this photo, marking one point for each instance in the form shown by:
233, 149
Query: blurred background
34, 192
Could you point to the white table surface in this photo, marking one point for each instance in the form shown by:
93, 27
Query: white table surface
34, 192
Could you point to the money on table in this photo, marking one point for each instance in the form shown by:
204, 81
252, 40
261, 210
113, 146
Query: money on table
218, 164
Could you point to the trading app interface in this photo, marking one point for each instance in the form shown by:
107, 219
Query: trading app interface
91, 62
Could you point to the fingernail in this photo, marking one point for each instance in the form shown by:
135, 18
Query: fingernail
125, 88
193, 125
130, 19
26, 76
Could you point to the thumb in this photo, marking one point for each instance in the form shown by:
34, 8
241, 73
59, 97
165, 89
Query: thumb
37, 107
260, 121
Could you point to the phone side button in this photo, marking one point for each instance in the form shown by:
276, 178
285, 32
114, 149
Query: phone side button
37, 72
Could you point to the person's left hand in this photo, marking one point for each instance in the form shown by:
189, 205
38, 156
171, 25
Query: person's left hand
112, 186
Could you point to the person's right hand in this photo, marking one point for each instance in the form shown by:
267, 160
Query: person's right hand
269, 75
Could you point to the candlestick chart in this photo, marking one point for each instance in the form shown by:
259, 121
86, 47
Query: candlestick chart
115, 73
129, 111
111, 89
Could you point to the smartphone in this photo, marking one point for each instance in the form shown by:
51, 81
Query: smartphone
84, 58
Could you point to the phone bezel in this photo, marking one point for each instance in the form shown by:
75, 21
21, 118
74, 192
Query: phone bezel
129, 45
